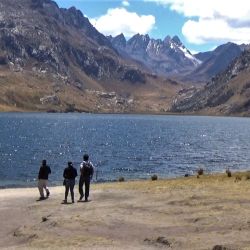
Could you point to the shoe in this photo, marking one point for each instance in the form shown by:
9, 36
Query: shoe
86, 200
48, 193
80, 199
42, 198
64, 201
73, 201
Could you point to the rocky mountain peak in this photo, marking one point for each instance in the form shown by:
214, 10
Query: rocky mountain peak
228, 46
216, 61
167, 39
45, 38
71, 16
43, 3
164, 57
244, 46
138, 41
177, 40
118, 41
74, 17
121, 37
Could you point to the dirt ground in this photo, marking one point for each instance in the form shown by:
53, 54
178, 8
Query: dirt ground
210, 212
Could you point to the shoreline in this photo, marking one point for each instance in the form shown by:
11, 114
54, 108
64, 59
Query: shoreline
131, 113
183, 213
164, 178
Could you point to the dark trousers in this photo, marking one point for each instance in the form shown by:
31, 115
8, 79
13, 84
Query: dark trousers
69, 186
84, 181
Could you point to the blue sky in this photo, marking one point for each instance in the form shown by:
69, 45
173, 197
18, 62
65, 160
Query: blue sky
200, 24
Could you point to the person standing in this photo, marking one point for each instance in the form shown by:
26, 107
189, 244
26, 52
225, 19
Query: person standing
69, 175
86, 171
43, 177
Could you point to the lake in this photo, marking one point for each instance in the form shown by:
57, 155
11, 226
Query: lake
131, 146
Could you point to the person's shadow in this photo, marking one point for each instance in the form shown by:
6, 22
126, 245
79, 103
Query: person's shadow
83, 201
42, 199
66, 203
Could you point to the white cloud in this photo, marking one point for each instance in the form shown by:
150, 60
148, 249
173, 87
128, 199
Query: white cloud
208, 30
119, 20
209, 8
215, 20
125, 3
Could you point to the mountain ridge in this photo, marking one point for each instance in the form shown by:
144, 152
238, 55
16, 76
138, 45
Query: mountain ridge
170, 58
60, 49
228, 93
216, 61
166, 57
53, 59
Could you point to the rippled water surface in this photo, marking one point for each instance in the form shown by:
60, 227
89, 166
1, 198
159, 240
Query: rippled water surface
132, 146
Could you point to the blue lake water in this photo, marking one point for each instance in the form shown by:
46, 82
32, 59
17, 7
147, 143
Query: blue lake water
132, 146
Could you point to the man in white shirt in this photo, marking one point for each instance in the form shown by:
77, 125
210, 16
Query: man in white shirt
86, 174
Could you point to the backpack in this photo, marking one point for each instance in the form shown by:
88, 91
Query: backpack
87, 169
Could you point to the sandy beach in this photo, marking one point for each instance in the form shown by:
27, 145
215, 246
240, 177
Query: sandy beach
210, 212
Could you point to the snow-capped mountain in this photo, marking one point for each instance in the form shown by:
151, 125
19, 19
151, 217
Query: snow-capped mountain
53, 59
166, 57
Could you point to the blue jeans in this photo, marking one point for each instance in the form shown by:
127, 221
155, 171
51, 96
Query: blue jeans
70, 183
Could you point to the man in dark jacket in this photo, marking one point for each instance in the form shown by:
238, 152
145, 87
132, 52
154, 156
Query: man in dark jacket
87, 171
69, 175
43, 179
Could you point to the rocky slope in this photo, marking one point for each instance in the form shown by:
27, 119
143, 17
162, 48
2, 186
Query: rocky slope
54, 59
227, 93
171, 58
168, 57
214, 62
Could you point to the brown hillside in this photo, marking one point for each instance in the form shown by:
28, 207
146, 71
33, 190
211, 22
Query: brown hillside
53, 59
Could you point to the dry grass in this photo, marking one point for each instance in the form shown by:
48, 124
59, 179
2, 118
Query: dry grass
22, 91
182, 213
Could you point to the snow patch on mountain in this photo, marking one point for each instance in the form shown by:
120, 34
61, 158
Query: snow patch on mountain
190, 56
165, 57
